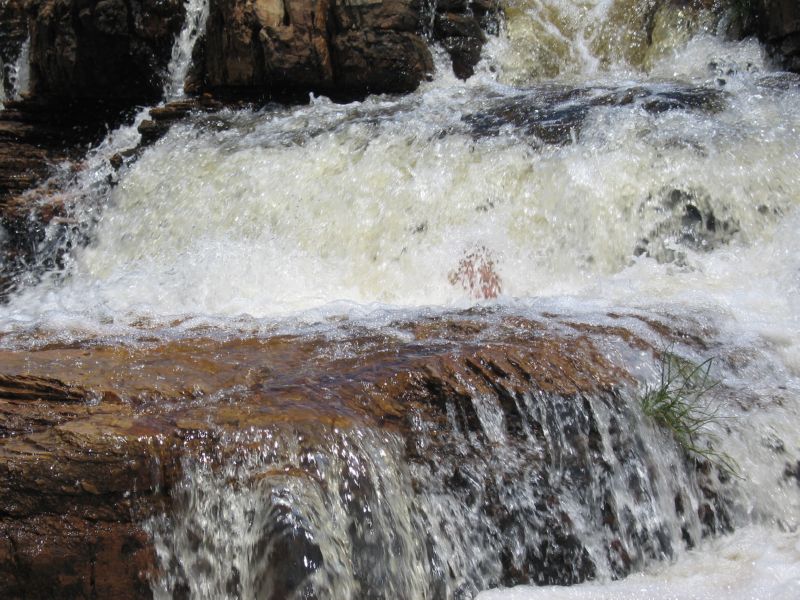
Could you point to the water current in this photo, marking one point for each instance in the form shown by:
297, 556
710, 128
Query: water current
17, 74
611, 162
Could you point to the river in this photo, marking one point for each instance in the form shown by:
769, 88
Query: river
586, 171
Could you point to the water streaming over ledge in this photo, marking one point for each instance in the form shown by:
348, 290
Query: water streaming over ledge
181, 59
586, 169
17, 74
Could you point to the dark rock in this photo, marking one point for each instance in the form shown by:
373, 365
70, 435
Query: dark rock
162, 117
777, 23
380, 61
463, 38
690, 221
112, 50
63, 557
792, 471
555, 115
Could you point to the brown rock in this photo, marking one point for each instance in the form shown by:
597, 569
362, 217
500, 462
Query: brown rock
63, 557
462, 37
93, 436
347, 49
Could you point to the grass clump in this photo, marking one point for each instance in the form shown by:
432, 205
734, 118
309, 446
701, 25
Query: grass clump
681, 404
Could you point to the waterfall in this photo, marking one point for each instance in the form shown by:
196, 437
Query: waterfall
19, 73
479, 488
181, 58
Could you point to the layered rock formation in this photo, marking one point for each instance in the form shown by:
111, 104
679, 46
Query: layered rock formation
94, 438
338, 47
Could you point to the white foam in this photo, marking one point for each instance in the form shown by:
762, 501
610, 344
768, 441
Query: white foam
752, 564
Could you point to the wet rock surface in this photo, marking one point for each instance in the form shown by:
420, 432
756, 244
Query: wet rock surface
778, 24
162, 118
555, 114
96, 440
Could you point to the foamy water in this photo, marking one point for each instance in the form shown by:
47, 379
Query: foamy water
752, 564
273, 212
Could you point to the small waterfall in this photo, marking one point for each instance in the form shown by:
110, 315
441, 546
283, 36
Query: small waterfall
574, 39
483, 484
16, 75
285, 512
85, 192
20, 73
181, 60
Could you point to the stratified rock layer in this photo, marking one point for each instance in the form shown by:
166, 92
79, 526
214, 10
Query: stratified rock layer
343, 48
93, 437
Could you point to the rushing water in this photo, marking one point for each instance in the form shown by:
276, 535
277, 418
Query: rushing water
17, 74
181, 59
593, 165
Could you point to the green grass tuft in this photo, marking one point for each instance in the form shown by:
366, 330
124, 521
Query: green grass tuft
681, 404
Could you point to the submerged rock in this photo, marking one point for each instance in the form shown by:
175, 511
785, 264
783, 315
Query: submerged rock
553, 114
687, 220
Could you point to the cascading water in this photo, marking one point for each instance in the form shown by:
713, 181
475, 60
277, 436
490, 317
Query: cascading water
17, 74
608, 158
181, 59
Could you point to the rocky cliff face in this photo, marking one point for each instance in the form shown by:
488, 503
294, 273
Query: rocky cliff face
111, 50
778, 24
117, 50
346, 48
